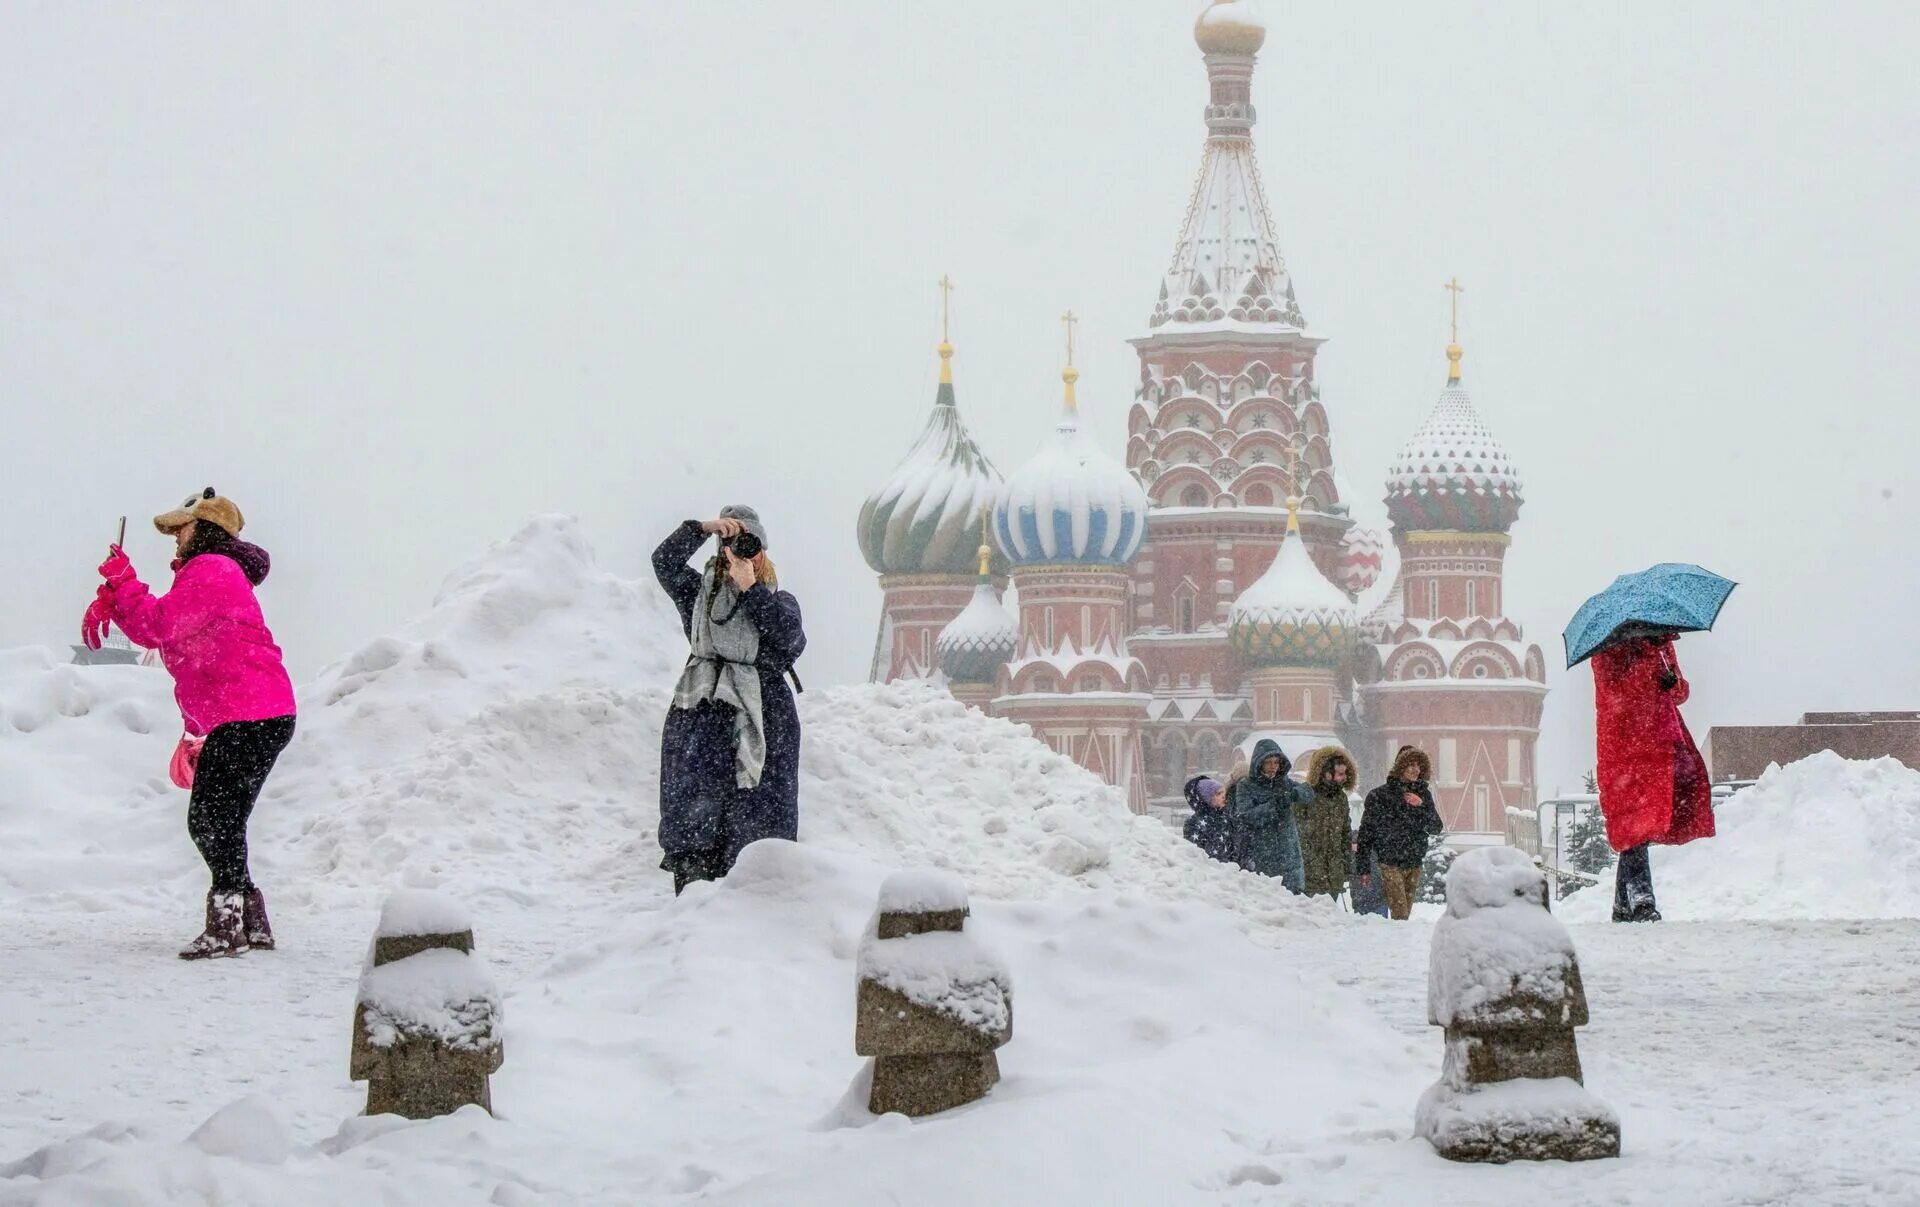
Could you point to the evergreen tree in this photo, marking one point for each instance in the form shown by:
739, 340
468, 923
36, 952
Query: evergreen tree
1585, 847
1433, 873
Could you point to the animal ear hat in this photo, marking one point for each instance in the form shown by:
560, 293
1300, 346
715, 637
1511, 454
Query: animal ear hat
207, 505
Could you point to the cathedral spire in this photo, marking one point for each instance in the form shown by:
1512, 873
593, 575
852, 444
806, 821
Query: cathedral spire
1070, 375
1227, 271
946, 345
1453, 343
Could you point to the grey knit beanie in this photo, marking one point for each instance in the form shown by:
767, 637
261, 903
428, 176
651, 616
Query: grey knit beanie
749, 519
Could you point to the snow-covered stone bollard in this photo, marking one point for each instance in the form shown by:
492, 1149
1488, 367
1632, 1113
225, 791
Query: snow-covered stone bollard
426, 1029
933, 1002
1505, 983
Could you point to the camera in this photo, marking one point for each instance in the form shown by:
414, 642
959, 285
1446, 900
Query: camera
745, 546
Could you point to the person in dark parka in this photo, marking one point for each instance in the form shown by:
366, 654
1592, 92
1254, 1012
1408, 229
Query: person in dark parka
1396, 823
1211, 826
1262, 807
730, 749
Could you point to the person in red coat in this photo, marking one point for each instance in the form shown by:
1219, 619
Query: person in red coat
1653, 782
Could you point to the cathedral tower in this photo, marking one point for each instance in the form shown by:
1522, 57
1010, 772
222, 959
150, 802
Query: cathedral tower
1071, 521
1228, 424
1444, 669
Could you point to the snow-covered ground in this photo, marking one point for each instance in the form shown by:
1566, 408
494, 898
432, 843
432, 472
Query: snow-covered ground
1182, 1033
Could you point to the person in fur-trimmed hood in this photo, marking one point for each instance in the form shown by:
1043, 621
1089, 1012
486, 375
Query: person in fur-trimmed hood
1395, 826
231, 683
1326, 823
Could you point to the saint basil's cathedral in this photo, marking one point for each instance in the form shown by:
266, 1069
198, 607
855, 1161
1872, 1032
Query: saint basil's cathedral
1205, 592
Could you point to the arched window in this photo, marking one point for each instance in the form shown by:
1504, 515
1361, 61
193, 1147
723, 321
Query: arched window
1259, 496
1194, 496
1183, 611
1207, 756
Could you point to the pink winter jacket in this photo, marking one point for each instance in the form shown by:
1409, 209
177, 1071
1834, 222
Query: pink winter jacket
213, 639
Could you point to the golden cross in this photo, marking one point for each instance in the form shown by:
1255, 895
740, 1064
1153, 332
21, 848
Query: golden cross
1456, 289
946, 296
1069, 318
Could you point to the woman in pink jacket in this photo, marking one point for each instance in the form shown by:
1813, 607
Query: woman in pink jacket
232, 688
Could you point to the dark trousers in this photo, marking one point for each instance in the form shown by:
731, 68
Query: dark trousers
1632, 884
227, 781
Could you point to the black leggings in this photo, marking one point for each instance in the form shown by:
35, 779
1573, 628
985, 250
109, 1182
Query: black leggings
232, 769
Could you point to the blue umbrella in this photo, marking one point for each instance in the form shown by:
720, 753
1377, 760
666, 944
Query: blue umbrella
1672, 597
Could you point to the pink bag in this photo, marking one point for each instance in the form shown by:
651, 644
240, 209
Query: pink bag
186, 757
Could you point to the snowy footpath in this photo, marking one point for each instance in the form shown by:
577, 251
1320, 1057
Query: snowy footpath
1183, 1033
659, 1052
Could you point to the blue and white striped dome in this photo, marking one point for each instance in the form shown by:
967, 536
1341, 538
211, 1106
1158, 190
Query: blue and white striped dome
1071, 503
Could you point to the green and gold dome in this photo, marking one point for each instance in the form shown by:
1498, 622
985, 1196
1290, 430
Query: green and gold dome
1291, 615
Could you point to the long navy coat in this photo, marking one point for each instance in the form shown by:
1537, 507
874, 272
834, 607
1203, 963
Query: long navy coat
697, 745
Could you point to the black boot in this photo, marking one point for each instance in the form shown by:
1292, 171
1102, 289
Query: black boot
226, 933
254, 918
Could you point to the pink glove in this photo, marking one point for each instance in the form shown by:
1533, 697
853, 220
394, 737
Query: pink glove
117, 568
93, 626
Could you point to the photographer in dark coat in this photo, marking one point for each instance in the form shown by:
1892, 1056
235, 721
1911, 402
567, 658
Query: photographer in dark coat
730, 750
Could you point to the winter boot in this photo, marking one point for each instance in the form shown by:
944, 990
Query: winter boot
254, 913
226, 933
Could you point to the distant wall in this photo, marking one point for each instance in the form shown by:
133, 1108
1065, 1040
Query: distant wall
1742, 752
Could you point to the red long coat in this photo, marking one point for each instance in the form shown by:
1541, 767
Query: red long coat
1653, 782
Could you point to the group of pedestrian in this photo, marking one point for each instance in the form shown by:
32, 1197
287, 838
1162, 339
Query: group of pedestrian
1302, 833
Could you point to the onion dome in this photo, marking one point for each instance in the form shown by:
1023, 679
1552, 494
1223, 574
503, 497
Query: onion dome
982, 638
1453, 475
1229, 27
920, 521
1291, 615
1361, 553
1071, 504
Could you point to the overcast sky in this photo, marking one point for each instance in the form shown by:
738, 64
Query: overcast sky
398, 276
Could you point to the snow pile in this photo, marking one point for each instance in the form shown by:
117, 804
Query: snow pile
541, 752
922, 891
441, 993
1825, 837
903, 773
84, 798
1496, 942
410, 912
948, 971
1497, 1115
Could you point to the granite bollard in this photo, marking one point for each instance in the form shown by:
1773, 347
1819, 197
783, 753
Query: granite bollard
426, 1025
1505, 984
933, 1002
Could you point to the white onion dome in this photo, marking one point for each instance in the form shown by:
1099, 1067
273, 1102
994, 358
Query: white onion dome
1453, 475
1291, 615
1071, 503
1229, 27
922, 518
979, 641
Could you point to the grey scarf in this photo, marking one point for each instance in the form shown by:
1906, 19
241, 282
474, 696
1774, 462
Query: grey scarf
721, 668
